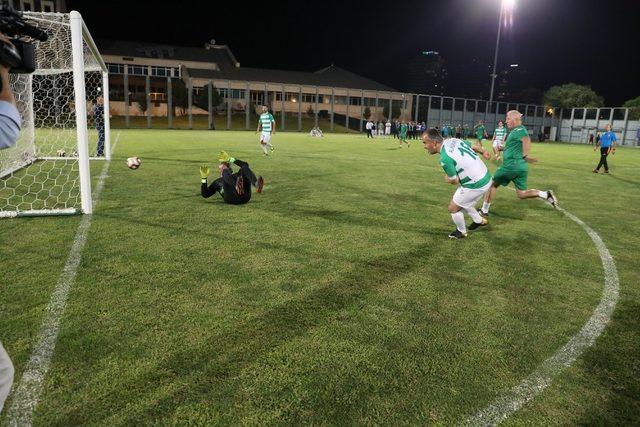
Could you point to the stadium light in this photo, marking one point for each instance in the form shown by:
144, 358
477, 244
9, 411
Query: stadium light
506, 8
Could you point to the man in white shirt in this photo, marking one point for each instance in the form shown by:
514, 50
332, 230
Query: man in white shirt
369, 128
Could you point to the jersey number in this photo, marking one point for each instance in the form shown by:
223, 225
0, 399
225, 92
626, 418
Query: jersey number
463, 149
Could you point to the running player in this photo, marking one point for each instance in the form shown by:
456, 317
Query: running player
464, 168
515, 166
498, 139
480, 131
403, 134
268, 125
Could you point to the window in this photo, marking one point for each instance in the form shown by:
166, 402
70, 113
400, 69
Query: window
309, 97
160, 71
47, 6
27, 5
138, 70
116, 68
355, 101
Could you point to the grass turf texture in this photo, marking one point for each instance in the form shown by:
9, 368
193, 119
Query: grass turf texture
332, 298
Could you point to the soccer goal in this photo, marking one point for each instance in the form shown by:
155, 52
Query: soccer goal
65, 119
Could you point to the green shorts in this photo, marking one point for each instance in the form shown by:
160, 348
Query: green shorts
504, 176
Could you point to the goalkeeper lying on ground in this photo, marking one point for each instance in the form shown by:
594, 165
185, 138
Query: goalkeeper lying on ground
235, 188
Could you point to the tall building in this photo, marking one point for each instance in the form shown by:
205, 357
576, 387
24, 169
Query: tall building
427, 74
40, 5
511, 81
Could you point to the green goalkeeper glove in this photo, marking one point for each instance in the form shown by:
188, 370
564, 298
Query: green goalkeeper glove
204, 172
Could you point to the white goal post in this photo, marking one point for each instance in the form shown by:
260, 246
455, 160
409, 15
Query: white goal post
64, 107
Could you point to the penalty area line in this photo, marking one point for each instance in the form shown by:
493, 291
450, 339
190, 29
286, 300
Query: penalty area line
564, 357
27, 393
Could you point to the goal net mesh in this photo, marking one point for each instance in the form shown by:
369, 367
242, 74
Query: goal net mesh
40, 175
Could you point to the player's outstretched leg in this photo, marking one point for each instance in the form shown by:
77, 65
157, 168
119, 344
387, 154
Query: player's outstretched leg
264, 147
248, 175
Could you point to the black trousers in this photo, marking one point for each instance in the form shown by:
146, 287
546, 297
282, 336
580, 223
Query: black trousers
604, 152
369, 134
226, 185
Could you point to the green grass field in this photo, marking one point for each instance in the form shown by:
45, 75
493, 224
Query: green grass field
332, 298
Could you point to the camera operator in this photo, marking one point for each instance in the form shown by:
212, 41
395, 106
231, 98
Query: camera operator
9, 117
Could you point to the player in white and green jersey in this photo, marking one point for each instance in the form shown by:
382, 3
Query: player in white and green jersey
499, 136
462, 167
268, 125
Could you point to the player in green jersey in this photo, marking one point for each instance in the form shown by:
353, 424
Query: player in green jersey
480, 131
515, 167
403, 134
268, 125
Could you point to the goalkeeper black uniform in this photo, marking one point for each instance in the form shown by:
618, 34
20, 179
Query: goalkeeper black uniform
235, 188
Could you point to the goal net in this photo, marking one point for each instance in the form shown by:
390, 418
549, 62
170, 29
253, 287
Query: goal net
64, 107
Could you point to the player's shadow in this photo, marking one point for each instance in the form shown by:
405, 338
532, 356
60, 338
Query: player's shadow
625, 180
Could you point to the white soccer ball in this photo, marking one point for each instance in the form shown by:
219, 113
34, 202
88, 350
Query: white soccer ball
133, 162
61, 153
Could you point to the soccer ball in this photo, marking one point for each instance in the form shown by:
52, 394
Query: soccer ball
133, 162
61, 153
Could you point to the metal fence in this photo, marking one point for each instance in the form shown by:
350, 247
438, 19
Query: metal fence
189, 103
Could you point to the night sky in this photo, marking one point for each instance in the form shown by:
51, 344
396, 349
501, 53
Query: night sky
556, 41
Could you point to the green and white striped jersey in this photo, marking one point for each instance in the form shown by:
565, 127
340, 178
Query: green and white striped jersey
265, 120
500, 133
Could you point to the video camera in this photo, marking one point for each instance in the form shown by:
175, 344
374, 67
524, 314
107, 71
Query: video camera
19, 56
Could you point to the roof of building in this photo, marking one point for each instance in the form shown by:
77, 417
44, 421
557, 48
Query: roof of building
330, 76
220, 54
230, 69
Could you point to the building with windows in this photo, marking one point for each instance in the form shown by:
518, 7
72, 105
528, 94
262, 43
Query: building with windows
58, 6
427, 73
134, 67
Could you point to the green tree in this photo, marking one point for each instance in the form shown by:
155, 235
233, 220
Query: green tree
572, 95
202, 99
180, 96
141, 100
634, 108
367, 113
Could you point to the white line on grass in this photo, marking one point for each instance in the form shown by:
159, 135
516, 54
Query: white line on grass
542, 377
28, 391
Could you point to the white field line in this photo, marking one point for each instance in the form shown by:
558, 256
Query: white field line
28, 391
542, 377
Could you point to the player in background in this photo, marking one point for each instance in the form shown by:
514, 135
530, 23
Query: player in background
480, 131
268, 125
387, 129
515, 165
403, 134
462, 167
498, 139
607, 143
235, 188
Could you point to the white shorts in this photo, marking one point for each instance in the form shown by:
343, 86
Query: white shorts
497, 143
265, 137
468, 197
387, 131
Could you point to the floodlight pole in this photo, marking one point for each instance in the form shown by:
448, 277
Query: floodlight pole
495, 56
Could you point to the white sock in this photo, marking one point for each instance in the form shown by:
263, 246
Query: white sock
542, 194
458, 220
485, 207
474, 214
264, 148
